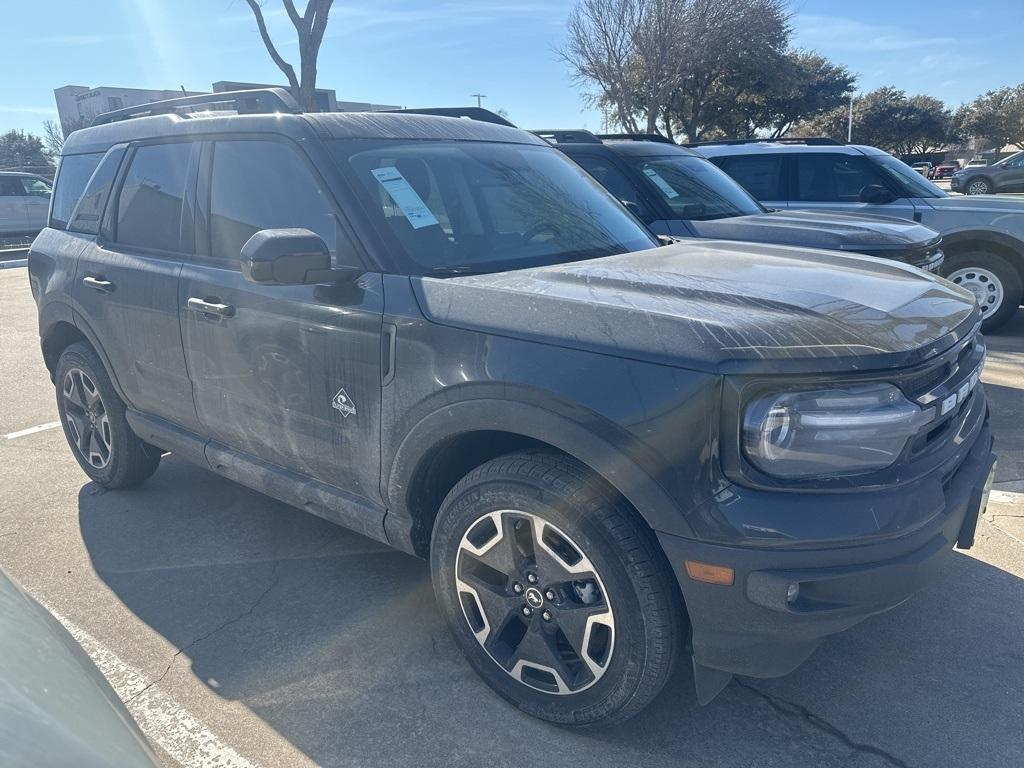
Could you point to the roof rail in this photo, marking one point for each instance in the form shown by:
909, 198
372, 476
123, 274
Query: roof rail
473, 113
574, 136
256, 101
637, 137
810, 141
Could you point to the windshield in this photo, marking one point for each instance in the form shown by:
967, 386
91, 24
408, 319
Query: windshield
464, 207
695, 189
912, 183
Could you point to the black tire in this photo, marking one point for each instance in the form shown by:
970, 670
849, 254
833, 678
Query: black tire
957, 268
640, 593
128, 460
980, 185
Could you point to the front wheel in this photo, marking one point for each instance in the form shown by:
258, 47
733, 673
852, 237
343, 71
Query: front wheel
979, 187
556, 590
93, 417
996, 285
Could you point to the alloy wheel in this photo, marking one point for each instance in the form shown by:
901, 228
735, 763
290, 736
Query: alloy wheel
979, 187
535, 602
984, 284
86, 416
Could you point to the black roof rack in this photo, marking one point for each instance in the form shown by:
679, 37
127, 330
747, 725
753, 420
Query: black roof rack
473, 113
810, 141
637, 137
256, 101
574, 136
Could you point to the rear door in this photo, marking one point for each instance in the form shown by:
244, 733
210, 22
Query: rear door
832, 181
765, 176
37, 201
126, 284
13, 216
287, 374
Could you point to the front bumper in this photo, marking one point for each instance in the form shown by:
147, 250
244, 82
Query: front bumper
954, 183
752, 628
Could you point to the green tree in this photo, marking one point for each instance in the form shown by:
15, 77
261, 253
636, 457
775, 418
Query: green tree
996, 116
889, 119
21, 151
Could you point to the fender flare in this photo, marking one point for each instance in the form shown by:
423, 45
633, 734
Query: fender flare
1009, 242
615, 455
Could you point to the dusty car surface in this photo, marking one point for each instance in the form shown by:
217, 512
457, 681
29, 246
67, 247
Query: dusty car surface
445, 335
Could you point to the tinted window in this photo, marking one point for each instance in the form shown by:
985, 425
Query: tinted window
695, 189
152, 195
615, 181
477, 207
829, 178
263, 185
760, 175
89, 211
72, 176
35, 187
10, 186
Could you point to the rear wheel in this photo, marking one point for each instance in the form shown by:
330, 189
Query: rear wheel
996, 285
556, 590
94, 422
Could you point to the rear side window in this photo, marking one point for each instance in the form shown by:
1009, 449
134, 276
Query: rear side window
89, 210
761, 175
263, 185
152, 197
72, 176
830, 178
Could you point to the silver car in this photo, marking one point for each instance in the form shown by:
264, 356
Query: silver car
982, 235
24, 203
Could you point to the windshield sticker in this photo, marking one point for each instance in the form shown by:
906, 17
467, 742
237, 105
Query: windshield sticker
661, 184
405, 197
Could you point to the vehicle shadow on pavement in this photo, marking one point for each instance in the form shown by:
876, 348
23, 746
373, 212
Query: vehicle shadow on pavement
336, 643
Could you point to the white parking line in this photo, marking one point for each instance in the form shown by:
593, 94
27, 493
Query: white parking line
33, 430
161, 718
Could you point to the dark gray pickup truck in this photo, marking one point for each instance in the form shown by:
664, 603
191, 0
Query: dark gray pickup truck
445, 335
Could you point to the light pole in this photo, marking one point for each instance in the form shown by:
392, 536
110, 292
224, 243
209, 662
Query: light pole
478, 96
849, 123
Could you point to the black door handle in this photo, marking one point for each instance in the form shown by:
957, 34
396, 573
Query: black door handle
211, 306
98, 284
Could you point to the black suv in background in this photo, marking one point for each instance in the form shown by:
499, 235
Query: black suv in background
445, 335
677, 192
982, 237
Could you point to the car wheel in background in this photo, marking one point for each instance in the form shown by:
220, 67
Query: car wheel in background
980, 186
994, 282
556, 590
94, 423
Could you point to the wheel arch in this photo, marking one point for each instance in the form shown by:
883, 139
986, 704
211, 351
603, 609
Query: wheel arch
1006, 246
61, 334
447, 444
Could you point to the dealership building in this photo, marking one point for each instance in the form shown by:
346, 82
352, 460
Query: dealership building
77, 105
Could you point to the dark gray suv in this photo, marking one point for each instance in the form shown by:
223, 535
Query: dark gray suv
445, 335
1007, 175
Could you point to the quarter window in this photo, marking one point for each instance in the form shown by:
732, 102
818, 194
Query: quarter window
263, 185
152, 197
72, 176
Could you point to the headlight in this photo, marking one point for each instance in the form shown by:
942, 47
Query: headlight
844, 431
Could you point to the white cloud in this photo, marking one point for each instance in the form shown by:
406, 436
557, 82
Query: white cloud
835, 33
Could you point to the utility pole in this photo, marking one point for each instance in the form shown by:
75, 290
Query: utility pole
478, 96
849, 123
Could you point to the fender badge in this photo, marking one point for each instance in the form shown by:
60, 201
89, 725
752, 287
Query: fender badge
343, 403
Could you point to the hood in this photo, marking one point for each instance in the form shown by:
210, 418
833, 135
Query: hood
717, 306
809, 229
997, 204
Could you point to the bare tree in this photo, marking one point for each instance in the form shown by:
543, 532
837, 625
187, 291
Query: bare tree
53, 137
310, 27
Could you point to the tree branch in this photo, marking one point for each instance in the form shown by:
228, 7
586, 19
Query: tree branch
283, 65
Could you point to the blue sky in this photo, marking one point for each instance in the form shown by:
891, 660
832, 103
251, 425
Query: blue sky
416, 53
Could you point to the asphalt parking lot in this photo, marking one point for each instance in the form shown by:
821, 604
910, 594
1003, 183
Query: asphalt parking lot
242, 631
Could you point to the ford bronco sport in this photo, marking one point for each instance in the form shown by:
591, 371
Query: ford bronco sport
445, 335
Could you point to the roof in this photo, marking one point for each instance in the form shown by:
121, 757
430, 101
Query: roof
633, 148
334, 125
719, 150
23, 173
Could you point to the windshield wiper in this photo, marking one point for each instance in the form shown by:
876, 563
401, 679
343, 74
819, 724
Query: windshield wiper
457, 269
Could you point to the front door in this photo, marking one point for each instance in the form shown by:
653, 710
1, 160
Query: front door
37, 202
287, 374
833, 182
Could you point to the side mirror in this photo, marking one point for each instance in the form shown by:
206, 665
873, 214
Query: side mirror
876, 194
289, 257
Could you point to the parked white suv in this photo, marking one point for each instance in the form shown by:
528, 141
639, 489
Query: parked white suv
982, 235
24, 203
